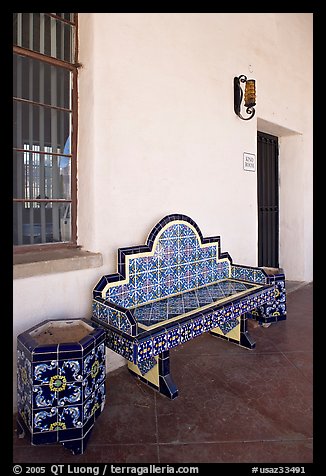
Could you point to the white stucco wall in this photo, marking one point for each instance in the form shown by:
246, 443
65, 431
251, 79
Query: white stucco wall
159, 91
158, 135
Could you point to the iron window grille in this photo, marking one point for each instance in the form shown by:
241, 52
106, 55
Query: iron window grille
44, 130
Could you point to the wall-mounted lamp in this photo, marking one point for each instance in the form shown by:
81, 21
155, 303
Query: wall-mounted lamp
249, 96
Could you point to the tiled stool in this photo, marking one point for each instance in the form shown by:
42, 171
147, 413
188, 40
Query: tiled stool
60, 382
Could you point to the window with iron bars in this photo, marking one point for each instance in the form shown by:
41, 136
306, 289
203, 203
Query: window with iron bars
44, 130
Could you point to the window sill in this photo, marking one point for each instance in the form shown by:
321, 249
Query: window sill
54, 261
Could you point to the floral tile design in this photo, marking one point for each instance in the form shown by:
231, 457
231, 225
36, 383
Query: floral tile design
60, 391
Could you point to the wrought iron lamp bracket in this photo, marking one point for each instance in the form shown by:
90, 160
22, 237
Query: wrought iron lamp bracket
238, 96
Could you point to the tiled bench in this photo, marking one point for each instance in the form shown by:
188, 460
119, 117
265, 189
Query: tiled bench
173, 289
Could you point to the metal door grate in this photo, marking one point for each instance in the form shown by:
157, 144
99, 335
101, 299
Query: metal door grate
268, 200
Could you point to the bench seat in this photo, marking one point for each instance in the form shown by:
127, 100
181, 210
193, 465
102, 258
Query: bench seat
173, 289
189, 303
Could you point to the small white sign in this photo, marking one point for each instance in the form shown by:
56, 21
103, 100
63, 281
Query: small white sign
249, 162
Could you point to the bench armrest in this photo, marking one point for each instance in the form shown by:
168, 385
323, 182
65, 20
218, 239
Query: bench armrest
256, 275
115, 316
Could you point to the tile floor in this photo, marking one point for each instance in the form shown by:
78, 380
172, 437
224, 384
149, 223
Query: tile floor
234, 405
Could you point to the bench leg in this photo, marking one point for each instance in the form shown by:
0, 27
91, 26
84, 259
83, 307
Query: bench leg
275, 311
238, 334
155, 372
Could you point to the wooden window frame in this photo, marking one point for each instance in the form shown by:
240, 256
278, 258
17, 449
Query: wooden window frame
73, 68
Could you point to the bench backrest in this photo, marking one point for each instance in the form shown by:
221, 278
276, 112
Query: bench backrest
176, 258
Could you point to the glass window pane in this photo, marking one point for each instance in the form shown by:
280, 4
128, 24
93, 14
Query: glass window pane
36, 32
44, 34
25, 30
41, 223
41, 176
40, 82
41, 126
66, 16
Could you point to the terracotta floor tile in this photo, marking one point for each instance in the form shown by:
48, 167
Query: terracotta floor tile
127, 453
291, 336
56, 454
244, 452
222, 398
303, 361
123, 389
130, 424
